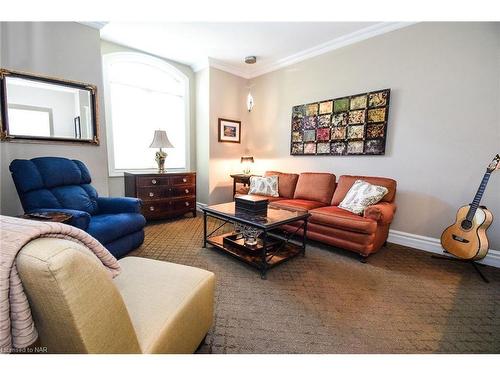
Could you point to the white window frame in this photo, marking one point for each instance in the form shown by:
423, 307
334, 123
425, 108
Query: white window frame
167, 68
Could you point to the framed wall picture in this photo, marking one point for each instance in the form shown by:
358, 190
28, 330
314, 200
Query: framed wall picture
350, 125
229, 130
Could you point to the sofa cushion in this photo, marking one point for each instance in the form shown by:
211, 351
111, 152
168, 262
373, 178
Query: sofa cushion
170, 305
297, 204
61, 171
286, 183
36, 199
26, 175
76, 197
109, 227
336, 217
315, 187
345, 182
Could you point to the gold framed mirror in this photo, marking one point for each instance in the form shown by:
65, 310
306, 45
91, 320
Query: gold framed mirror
43, 109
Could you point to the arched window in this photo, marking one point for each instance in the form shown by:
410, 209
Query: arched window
144, 94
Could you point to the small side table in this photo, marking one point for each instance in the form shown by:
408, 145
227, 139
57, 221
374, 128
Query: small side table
240, 179
52, 216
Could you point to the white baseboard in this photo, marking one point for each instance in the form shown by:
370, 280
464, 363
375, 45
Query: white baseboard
200, 205
418, 242
433, 245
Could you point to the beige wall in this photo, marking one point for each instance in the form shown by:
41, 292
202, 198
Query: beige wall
227, 100
444, 124
59, 49
202, 135
116, 186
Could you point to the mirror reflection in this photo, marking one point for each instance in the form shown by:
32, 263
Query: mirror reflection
37, 108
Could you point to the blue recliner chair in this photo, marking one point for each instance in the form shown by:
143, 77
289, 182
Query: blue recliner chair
59, 184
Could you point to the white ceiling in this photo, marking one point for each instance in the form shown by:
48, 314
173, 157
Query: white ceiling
225, 45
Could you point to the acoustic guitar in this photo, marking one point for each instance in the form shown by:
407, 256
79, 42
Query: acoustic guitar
466, 238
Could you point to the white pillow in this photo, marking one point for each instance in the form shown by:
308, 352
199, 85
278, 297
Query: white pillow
361, 195
267, 186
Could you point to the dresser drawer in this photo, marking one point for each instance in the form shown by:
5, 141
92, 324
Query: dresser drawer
184, 204
160, 208
187, 179
152, 181
156, 207
182, 191
153, 192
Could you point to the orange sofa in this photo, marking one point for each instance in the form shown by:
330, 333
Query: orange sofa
320, 194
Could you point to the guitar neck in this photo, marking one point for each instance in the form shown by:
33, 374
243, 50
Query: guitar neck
479, 195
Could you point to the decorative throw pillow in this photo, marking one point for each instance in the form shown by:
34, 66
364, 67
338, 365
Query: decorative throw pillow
361, 195
264, 186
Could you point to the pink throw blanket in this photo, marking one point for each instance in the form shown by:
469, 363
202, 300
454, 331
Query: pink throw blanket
17, 329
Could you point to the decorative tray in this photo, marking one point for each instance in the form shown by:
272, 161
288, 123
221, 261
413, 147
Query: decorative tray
237, 240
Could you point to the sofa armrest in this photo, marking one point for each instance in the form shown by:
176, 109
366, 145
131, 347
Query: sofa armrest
119, 205
79, 219
382, 212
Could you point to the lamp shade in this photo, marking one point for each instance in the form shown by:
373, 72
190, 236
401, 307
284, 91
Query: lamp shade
161, 140
246, 159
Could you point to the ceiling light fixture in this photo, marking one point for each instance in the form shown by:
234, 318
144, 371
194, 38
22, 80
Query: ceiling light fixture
250, 59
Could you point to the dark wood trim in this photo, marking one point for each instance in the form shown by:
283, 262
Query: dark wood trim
4, 121
219, 132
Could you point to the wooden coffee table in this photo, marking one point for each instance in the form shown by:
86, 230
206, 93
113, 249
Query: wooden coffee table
272, 248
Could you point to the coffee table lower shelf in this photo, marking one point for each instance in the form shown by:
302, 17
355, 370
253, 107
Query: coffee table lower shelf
280, 251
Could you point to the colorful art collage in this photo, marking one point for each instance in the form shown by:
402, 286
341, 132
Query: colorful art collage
354, 125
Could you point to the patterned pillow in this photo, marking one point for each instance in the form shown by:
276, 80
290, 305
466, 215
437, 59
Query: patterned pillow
361, 195
264, 186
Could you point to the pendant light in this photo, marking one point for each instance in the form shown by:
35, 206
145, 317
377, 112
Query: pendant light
250, 101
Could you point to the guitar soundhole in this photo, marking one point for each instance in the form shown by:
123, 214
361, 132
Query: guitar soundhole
466, 224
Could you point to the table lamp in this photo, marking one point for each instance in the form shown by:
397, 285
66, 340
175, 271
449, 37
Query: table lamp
160, 140
246, 161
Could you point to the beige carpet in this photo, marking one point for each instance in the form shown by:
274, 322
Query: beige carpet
401, 301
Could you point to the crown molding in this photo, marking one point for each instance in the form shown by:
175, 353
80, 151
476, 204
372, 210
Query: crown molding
213, 63
320, 49
95, 25
228, 68
199, 65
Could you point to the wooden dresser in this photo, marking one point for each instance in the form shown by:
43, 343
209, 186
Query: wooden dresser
163, 195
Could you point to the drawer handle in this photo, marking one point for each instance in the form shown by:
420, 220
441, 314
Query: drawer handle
151, 194
187, 204
186, 191
184, 179
151, 208
153, 181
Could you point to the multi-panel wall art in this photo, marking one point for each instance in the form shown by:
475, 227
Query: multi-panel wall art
352, 125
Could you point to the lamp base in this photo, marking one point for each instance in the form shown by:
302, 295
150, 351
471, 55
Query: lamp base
160, 158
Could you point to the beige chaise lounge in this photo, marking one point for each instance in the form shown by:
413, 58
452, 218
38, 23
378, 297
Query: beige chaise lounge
151, 307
